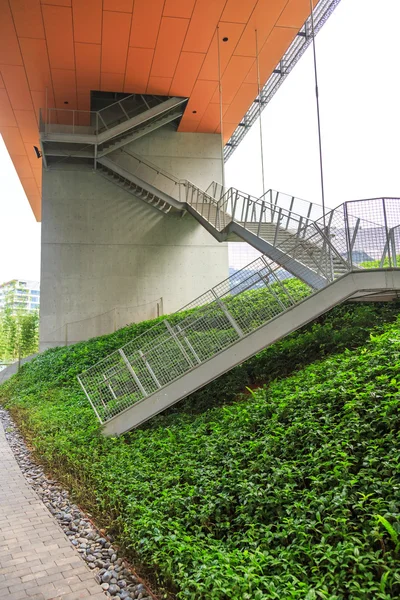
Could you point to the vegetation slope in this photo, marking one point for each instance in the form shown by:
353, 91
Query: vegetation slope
288, 490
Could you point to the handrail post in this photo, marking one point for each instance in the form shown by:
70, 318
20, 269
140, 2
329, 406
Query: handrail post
247, 211
123, 110
189, 345
347, 232
228, 315
277, 226
387, 232
234, 205
150, 370
178, 342
132, 372
393, 246
261, 216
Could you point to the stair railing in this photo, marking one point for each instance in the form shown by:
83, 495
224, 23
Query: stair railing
216, 320
304, 239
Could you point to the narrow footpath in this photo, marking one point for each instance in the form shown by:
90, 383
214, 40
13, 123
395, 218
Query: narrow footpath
37, 561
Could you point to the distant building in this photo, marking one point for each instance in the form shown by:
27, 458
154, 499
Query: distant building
20, 295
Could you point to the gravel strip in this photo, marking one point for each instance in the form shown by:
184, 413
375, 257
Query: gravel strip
110, 571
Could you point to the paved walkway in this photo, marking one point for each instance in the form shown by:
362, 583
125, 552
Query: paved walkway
37, 562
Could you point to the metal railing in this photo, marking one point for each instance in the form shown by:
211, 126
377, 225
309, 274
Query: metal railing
235, 308
296, 235
290, 224
60, 120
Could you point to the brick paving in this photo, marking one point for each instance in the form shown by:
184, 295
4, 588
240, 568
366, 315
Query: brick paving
37, 562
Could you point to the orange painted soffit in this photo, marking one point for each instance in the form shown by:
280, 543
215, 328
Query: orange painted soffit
70, 47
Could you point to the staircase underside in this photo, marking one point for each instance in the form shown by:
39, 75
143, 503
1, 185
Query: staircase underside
361, 286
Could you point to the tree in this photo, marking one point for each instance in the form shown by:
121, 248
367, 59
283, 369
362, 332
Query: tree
19, 333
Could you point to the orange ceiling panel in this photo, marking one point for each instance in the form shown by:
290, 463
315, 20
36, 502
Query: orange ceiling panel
13, 140
295, 13
188, 126
55, 52
278, 41
238, 11
186, 73
232, 78
34, 161
169, 44
229, 128
87, 18
202, 26
179, 8
28, 126
146, 23
57, 2
119, 5
64, 84
116, 30
231, 31
36, 62
159, 85
138, 69
42, 99
7, 117
200, 98
59, 35
211, 119
241, 103
87, 57
38, 176
263, 19
17, 87
9, 48
23, 166
27, 17
111, 82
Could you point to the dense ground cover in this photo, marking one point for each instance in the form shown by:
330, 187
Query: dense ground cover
291, 491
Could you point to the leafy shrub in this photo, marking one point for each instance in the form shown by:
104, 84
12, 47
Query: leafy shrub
292, 492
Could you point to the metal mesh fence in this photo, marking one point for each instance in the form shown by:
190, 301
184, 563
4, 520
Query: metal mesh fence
362, 234
210, 324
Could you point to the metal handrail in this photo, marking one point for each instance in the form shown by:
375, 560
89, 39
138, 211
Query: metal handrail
98, 115
170, 349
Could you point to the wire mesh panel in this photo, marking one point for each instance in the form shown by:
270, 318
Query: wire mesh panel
210, 324
110, 386
343, 240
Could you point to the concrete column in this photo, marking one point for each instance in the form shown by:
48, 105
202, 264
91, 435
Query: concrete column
108, 258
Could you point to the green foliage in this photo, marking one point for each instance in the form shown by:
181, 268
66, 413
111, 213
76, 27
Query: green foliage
376, 264
288, 491
19, 333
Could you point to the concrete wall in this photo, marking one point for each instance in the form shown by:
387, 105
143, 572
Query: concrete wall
109, 258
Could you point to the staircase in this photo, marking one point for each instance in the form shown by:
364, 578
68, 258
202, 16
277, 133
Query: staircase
180, 355
88, 135
296, 243
176, 357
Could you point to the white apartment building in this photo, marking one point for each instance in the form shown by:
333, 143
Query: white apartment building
20, 294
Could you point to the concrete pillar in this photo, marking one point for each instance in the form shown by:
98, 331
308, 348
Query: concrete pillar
109, 259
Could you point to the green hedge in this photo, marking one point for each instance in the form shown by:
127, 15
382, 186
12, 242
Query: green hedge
291, 491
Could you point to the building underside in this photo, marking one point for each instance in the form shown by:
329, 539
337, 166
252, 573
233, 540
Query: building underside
104, 101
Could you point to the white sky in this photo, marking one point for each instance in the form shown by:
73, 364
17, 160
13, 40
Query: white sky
359, 89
